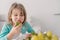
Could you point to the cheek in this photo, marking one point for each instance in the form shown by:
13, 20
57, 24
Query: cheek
14, 19
22, 19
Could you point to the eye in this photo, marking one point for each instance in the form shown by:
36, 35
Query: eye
21, 14
15, 15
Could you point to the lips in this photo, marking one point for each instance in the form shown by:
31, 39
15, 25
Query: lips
19, 21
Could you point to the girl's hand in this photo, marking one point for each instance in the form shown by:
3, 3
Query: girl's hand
14, 30
28, 35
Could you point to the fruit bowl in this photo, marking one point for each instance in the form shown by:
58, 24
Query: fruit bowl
43, 36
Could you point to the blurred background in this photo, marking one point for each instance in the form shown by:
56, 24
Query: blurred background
44, 14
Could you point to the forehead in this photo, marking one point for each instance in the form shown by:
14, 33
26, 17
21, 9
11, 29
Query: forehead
15, 10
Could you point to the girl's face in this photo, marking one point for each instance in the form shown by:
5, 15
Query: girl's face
17, 15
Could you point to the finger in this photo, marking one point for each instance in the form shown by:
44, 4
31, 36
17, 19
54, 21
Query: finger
14, 26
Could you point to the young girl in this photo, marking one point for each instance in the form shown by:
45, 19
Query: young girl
16, 12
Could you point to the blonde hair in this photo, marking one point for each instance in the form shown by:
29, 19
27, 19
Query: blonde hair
19, 6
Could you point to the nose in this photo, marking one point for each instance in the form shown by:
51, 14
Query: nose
19, 17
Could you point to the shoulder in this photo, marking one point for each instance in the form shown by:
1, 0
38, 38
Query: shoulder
26, 23
5, 29
7, 25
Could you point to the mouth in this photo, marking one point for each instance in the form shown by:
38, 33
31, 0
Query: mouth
20, 21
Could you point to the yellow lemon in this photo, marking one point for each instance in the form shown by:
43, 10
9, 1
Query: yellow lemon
34, 37
46, 38
54, 37
49, 34
41, 36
